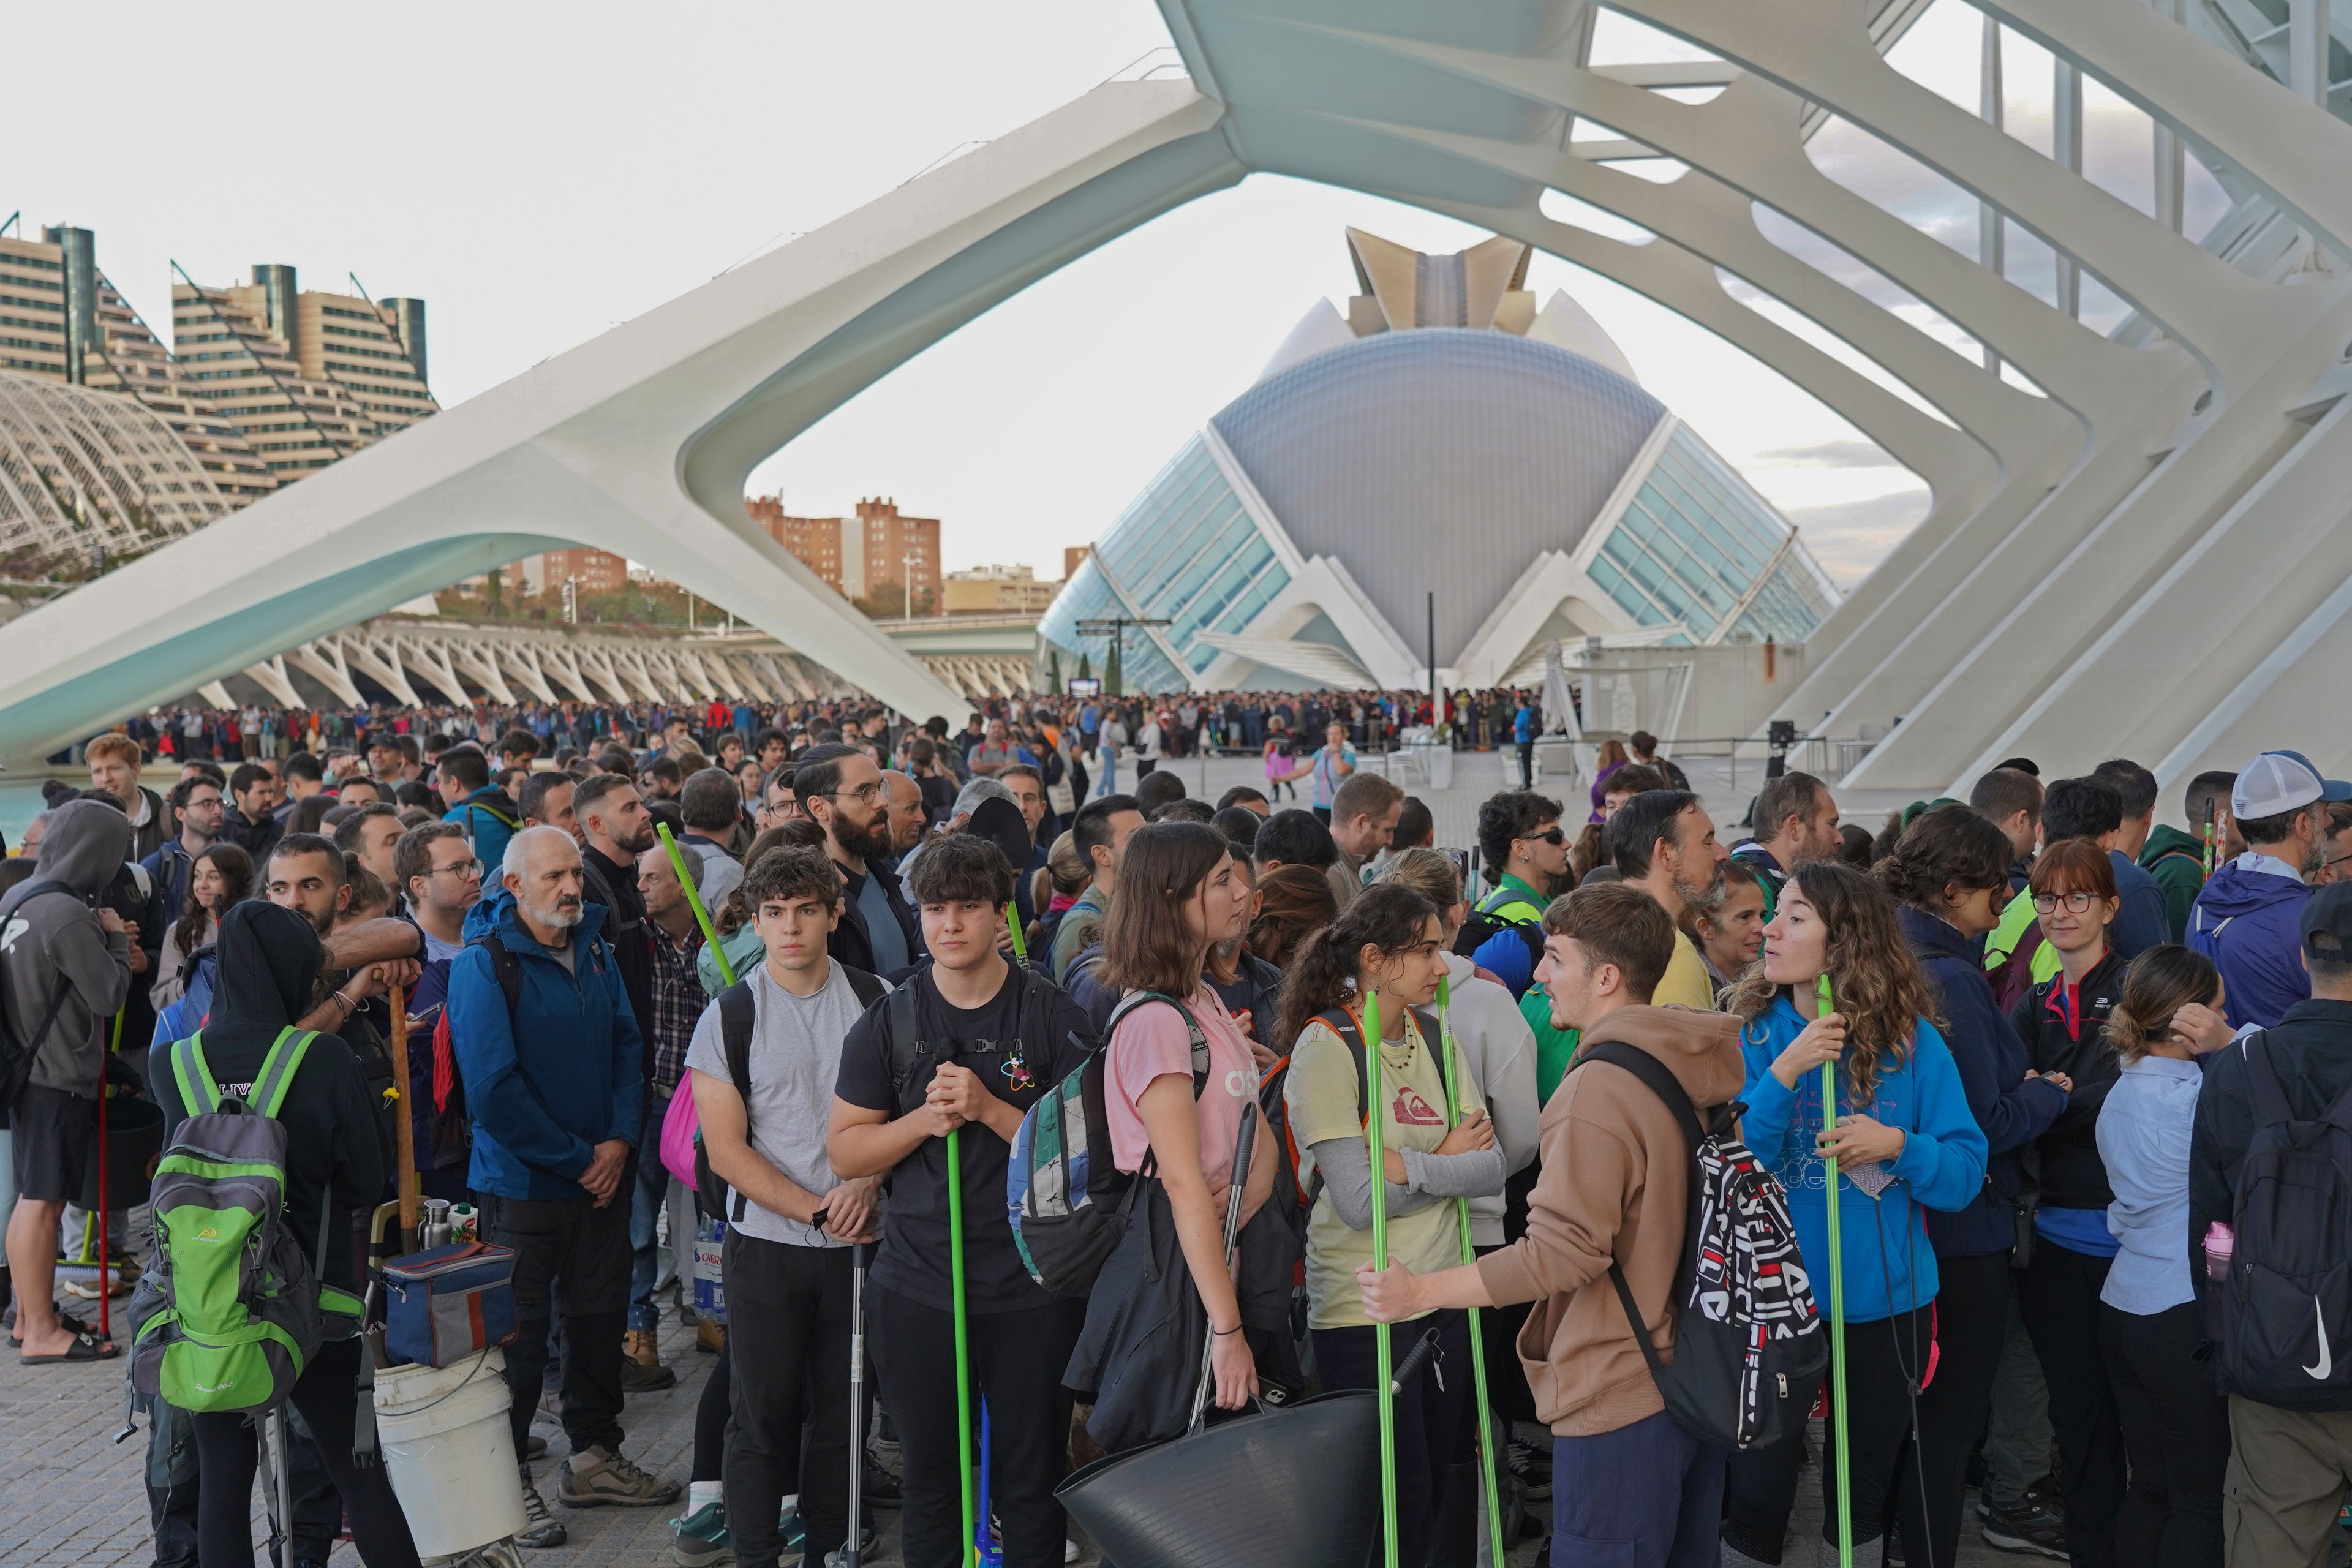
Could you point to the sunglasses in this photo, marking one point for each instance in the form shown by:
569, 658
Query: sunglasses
1554, 835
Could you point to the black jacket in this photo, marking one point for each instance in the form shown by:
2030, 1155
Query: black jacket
336, 1153
2073, 1175
615, 888
850, 943
2311, 1047
2012, 1110
255, 838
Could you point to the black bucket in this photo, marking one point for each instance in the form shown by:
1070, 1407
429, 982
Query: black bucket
1300, 1487
134, 1142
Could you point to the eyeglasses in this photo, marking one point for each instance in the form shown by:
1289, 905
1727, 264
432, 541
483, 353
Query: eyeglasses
2076, 903
459, 868
862, 792
1554, 835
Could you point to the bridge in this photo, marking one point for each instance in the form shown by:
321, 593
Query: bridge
2142, 550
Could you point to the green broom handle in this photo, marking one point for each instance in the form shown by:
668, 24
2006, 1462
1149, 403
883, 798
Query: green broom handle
1020, 942
1827, 1004
694, 902
970, 1553
1376, 1144
1469, 1256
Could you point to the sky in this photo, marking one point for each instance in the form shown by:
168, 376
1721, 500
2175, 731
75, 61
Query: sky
539, 174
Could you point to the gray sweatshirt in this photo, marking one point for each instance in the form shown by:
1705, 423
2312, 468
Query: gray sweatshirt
51, 945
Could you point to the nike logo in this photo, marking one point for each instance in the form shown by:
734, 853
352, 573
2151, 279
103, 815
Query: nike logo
2326, 1362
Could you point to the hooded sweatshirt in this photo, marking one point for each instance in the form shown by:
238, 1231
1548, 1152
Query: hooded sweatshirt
1614, 1187
1499, 1050
563, 1074
2176, 861
2248, 920
51, 945
336, 1160
1889, 1266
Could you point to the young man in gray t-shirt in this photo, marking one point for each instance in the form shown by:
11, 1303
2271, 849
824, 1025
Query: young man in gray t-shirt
787, 1251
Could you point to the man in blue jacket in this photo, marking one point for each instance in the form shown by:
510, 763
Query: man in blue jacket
2247, 917
478, 804
554, 1081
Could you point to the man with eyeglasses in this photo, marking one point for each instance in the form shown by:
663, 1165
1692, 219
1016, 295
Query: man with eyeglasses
777, 804
841, 788
1525, 849
434, 865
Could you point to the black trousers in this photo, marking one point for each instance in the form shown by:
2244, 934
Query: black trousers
788, 1340
584, 1249
1526, 765
2058, 1296
710, 1420
1971, 1313
326, 1396
1428, 1417
2176, 1428
1761, 1484
1016, 1367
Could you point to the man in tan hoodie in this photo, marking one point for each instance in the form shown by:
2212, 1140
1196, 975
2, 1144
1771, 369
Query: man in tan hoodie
1614, 1187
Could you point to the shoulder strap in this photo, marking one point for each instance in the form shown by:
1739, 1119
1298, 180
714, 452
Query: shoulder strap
2262, 1085
508, 968
1660, 1078
1433, 1035
869, 988
1199, 1041
905, 1030
738, 1017
276, 1075
1343, 1023
198, 1094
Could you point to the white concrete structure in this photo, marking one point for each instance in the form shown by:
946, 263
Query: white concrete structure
2150, 558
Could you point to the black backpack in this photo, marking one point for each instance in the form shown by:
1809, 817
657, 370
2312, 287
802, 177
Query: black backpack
1477, 927
2285, 1311
1748, 1350
17, 1057
737, 1017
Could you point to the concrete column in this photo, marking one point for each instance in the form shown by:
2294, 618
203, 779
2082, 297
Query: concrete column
1993, 248
2066, 148
2306, 50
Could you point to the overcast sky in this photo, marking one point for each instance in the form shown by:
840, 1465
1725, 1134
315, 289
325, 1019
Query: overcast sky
539, 174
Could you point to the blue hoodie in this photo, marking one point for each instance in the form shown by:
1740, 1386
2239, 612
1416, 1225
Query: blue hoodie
2011, 1109
565, 1074
2249, 923
1889, 1268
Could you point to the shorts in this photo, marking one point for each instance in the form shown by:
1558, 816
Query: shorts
52, 1131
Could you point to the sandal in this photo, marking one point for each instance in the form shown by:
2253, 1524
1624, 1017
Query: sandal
86, 1346
72, 1324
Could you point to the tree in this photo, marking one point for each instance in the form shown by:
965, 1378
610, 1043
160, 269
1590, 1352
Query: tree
1052, 670
1111, 671
1085, 666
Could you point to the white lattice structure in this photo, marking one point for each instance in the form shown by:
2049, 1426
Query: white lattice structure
2148, 554
83, 472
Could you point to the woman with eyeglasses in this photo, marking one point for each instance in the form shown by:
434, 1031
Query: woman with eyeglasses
2062, 1021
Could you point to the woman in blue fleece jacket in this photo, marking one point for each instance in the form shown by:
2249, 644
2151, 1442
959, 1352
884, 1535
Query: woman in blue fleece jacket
1906, 1141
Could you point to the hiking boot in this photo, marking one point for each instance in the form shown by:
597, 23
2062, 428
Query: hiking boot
600, 1476
709, 1336
700, 1540
2028, 1527
791, 1537
640, 1364
1532, 1466
540, 1528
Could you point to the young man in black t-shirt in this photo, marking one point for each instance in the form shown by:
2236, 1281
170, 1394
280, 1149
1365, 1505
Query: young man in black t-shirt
975, 1042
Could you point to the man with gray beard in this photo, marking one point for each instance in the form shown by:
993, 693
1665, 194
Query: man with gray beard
554, 1082
1664, 842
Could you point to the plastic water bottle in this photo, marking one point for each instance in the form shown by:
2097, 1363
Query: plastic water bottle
2221, 1243
709, 1273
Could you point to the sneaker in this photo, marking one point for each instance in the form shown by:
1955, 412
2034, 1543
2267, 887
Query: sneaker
640, 1364
1532, 1466
2027, 1528
600, 1476
534, 1447
540, 1527
2042, 1494
700, 1540
791, 1537
880, 1487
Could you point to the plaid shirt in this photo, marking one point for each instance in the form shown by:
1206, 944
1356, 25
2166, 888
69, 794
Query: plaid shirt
678, 1000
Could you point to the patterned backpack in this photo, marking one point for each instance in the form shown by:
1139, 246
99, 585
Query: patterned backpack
233, 1311
1748, 1350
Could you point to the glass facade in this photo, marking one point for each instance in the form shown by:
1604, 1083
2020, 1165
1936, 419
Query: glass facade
1186, 551
1690, 546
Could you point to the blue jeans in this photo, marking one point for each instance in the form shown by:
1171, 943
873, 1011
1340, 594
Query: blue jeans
1107, 783
1645, 1495
651, 1187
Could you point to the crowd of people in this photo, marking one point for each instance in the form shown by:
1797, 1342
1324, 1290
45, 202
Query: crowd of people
2087, 1147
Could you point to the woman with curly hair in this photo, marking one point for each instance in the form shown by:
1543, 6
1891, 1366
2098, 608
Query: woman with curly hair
1904, 1141
219, 878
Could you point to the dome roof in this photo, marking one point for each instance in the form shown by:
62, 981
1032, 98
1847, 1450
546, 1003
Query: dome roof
1438, 459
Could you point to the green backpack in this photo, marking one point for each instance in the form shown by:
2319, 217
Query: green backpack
231, 1313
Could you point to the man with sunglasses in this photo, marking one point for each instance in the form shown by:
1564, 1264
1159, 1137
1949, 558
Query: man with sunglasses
1525, 849
840, 789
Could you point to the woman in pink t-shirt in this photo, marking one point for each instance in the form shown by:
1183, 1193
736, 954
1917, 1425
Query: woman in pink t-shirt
1179, 895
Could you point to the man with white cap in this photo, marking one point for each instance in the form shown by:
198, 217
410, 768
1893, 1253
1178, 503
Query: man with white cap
2246, 918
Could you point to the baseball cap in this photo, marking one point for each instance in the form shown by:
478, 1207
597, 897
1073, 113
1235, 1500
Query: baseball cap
2326, 924
2279, 782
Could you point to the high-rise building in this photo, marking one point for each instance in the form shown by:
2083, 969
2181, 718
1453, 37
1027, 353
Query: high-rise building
996, 591
877, 553
1072, 557
589, 571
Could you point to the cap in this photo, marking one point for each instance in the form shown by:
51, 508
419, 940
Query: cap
2275, 782
2326, 924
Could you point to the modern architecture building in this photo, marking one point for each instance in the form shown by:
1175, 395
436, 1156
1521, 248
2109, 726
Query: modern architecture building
2139, 538
588, 571
876, 553
996, 591
1442, 475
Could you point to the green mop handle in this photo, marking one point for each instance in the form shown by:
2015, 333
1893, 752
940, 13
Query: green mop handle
1827, 1004
1020, 942
1469, 1254
694, 901
1376, 1144
970, 1554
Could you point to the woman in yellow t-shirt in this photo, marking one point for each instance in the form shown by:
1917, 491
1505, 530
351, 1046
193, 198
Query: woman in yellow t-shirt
1389, 942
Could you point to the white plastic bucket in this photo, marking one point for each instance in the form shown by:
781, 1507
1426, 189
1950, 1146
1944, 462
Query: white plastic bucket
449, 1451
